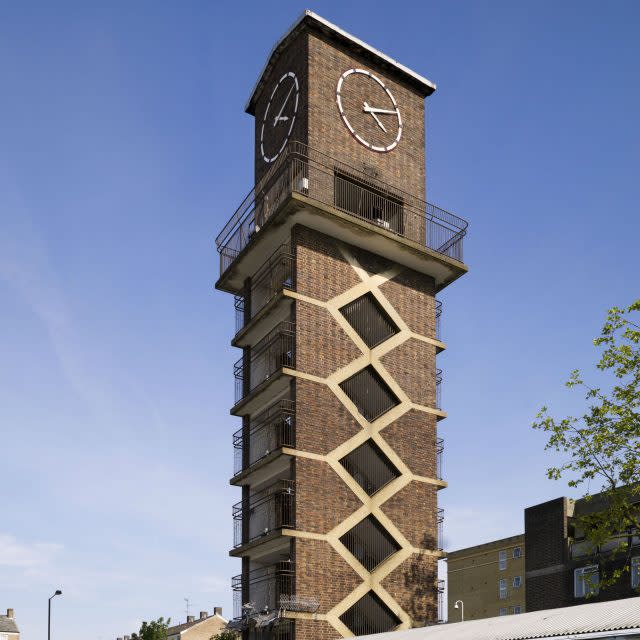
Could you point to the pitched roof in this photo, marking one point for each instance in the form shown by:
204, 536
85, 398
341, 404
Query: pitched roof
313, 20
8, 625
613, 618
179, 628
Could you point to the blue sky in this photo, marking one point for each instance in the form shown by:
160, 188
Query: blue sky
124, 148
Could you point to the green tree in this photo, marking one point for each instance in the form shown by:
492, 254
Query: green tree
154, 630
227, 634
602, 447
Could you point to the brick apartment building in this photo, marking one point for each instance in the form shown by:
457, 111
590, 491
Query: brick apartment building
335, 259
558, 571
488, 578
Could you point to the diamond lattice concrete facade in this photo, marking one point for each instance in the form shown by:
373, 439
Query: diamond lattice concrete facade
335, 259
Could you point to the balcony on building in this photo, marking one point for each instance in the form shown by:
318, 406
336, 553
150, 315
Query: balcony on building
259, 446
307, 187
264, 514
263, 297
267, 588
261, 372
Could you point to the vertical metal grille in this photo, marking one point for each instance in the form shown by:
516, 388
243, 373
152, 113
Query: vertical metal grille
270, 430
276, 274
441, 600
368, 391
238, 304
364, 200
369, 615
263, 587
370, 543
370, 467
439, 388
439, 458
267, 510
274, 351
440, 529
370, 320
438, 319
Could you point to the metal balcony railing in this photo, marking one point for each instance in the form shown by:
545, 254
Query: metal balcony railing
439, 388
238, 305
266, 588
440, 588
439, 320
274, 351
270, 430
439, 458
440, 521
301, 169
265, 511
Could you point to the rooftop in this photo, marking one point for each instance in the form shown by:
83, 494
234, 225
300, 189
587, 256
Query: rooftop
493, 544
606, 619
309, 19
8, 625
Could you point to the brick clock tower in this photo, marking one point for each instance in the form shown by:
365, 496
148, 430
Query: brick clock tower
334, 259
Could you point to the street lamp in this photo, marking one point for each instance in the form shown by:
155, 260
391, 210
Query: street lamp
57, 593
461, 607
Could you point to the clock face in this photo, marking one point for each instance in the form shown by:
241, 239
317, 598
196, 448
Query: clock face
369, 110
279, 117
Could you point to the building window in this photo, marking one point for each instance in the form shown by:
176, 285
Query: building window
502, 589
585, 581
502, 560
517, 581
517, 552
503, 611
517, 609
635, 572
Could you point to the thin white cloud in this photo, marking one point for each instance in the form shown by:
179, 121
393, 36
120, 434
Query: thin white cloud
14, 553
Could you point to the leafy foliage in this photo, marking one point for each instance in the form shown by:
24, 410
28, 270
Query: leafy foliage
602, 447
225, 635
154, 630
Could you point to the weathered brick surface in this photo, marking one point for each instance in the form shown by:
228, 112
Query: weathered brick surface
321, 270
412, 365
323, 500
414, 511
413, 585
412, 295
315, 630
370, 262
413, 438
322, 573
403, 167
322, 346
323, 421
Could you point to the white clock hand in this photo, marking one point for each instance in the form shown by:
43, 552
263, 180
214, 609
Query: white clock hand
372, 110
368, 109
284, 104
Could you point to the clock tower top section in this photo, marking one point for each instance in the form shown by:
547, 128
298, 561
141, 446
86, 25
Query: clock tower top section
346, 101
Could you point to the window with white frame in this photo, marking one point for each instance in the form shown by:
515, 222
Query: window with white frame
635, 572
517, 581
503, 611
502, 560
517, 609
586, 581
517, 552
4, 636
502, 589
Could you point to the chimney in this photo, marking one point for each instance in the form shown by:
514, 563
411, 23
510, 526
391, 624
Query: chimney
217, 611
203, 615
9, 613
191, 618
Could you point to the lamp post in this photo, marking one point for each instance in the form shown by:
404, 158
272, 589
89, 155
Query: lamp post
460, 605
57, 593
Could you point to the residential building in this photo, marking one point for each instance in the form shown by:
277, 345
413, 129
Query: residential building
555, 566
488, 578
618, 620
8, 627
335, 258
201, 628
560, 566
